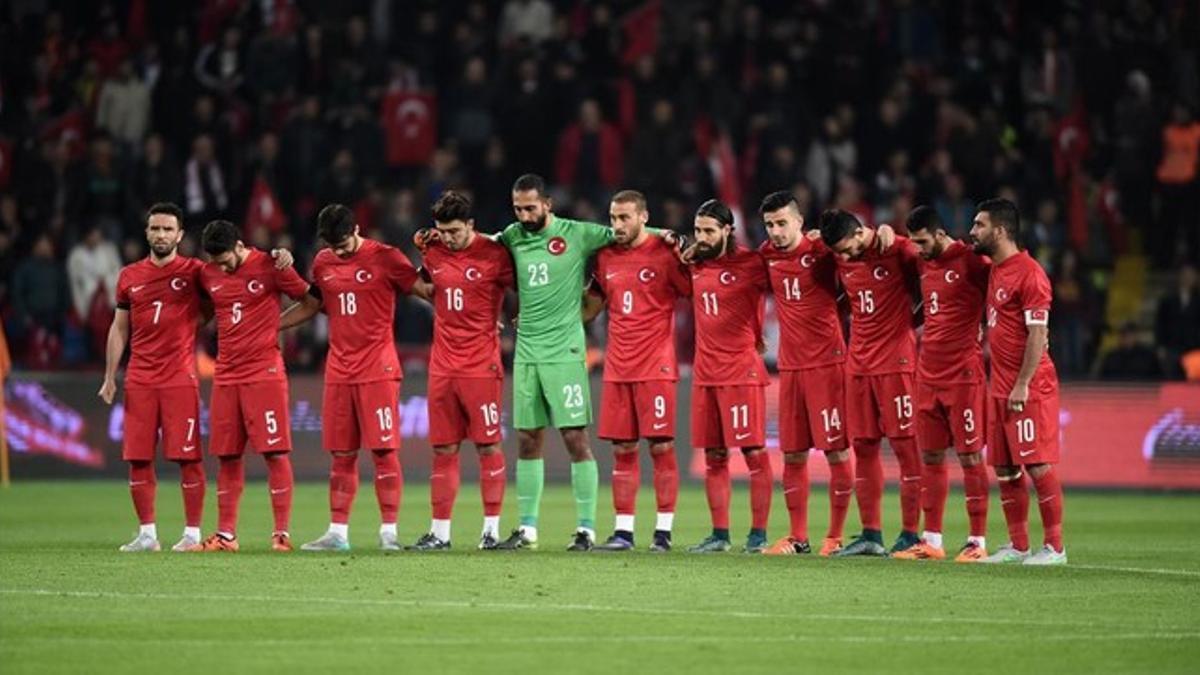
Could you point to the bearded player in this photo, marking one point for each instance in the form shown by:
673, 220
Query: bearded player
356, 281
469, 274
250, 390
1023, 397
879, 390
729, 285
950, 383
637, 281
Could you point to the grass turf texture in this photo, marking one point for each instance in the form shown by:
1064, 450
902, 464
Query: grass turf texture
69, 602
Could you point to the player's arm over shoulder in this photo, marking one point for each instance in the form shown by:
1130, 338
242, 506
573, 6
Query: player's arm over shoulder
400, 270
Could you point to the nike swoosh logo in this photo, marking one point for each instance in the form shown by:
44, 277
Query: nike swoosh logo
610, 275
188, 486
435, 272
660, 425
790, 491
1043, 501
214, 289
773, 263
327, 277
909, 479
222, 492
385, 439
273, 441
739, 437
391, 475
974, 499
621, 473
576, 415
905, 426
1026, 453
1005, 502
492, 432
135, 289
833, 439
135, 483
279, 491
189, 448
842, 492
971, 440
497, 472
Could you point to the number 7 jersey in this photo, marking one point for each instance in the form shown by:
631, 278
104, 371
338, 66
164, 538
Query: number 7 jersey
164, 308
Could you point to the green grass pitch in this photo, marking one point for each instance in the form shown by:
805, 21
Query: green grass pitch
1129, 601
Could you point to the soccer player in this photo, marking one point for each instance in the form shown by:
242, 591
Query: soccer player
950, 383
1023, 401
158, 309
879, 389
469, 274
250, 389
729, 285
812, 354
356, 280
639, 279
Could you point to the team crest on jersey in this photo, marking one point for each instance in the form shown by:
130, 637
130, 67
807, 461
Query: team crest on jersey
178, 283
646, 275
472, 274
362, 276
726, 278
556, 246
880, 273
951, 276
254, 286
807, 260
1001, 295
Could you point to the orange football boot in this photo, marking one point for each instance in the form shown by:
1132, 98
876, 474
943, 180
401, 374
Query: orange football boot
971, 553
281, 542
787, 546
830, 546
920, 551
216, 542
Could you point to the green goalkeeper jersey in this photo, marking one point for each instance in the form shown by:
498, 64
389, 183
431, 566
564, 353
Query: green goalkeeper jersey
550, 267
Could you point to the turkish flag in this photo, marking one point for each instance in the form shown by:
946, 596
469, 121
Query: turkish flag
409, 120
264, 209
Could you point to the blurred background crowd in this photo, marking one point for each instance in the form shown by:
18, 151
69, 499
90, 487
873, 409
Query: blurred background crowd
262, 111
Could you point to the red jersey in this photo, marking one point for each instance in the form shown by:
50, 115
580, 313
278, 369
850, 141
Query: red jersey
881, 333
359, 295
640, 286
164, 309
728, 299
804, 282
1018, 296
468, 294
246, 305
953, 287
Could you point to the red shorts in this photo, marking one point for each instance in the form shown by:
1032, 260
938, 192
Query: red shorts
952, 415
732, 416
362, 415
1026, 437
174, 410
633, 410
464, 407
880, 405
811, 408
253, 411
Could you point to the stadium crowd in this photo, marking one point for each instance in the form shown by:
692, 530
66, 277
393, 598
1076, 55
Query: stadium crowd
261, 111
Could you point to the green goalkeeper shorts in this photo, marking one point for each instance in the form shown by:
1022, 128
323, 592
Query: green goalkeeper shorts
551, 394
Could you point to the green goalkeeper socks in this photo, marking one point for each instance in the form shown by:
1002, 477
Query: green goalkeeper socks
585, 484
531, 478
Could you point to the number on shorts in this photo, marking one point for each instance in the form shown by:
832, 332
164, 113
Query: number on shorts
969, 420
491, 416
627, 302
1025, 430
791, 288
454, 299
866, 301
903, 406
710, 303
385, 418
272, 425
831, 419
237, 313
933, 303
660, 406
157, 309
572, 395
739, 413
191, 429
349, 303
539, 274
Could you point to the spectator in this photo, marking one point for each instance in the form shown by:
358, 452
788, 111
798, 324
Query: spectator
590, 155
1132, 359
124, 108
156, 178
528, 20
220, 67
304, 146
658, 152
204, 184
40, 298
955, 210
103, 197
1179, 190
93, 266
1073, 310
1177, 322
831, 156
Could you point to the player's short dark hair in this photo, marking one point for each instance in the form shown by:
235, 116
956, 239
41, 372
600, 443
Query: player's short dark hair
924, 218
530, 181
631, 197
778, 200
166, 208
717, 210
219, 236
1003, 213
836, 225
335, 222
451, 206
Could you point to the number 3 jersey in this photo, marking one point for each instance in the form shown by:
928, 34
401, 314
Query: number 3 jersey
640, 286
953, 286
882, 340
468, 292
358, 293
164, 308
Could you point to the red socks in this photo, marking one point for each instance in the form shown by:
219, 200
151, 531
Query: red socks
191, 483
868, 483
716, 486
231, 479
666, 480
935, 486
142, 486
625, 482
975, 485
1050, 503
388, 484
910, 482
841, 486
795, 495
443, 485
343, 485
280, 483
762, 484
491, 482
1014, 498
